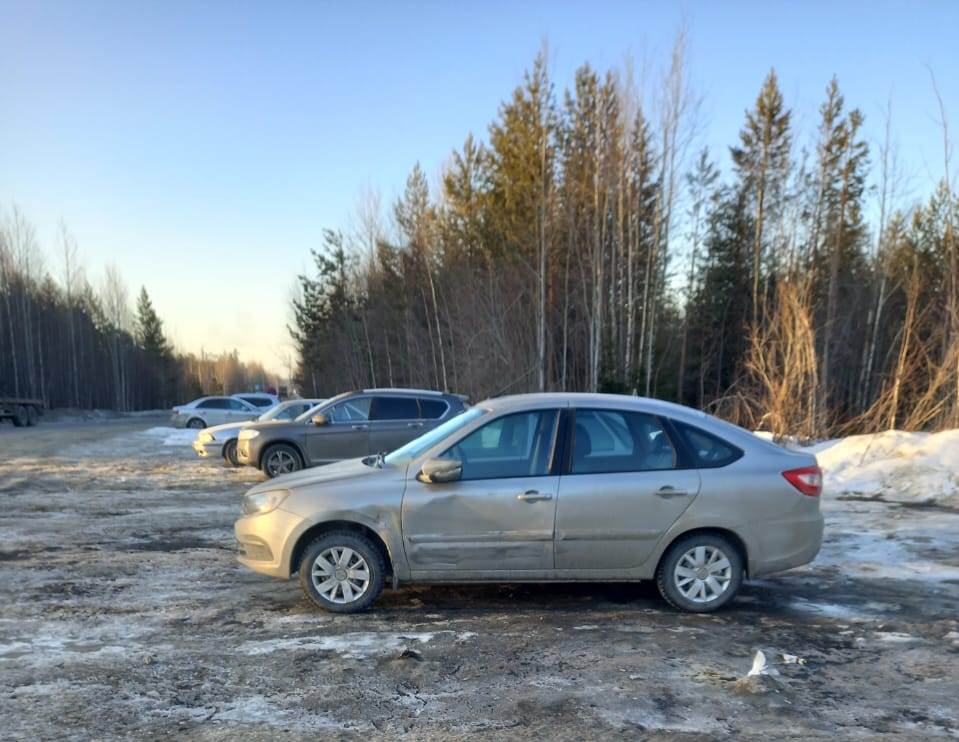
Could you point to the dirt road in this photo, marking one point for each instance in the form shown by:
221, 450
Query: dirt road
124, 615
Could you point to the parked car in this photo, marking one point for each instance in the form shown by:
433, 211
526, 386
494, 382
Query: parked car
540, 487
258, 399
344, 427
220, 440
207, 411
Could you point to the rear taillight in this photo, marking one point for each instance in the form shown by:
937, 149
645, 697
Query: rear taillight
807, 480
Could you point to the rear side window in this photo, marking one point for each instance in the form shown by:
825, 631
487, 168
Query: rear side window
433, 409
236, 404
215, 404
607, 441
707, 451
395, 408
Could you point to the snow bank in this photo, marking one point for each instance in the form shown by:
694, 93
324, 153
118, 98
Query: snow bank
893, 466
172, 436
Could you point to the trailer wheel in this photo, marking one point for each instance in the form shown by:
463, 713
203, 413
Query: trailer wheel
32, 415
20, 417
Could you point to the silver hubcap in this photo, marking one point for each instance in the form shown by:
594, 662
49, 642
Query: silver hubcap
340, 575
281, 462
702, 574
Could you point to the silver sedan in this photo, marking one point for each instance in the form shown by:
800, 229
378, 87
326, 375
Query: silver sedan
220, 440
541, 487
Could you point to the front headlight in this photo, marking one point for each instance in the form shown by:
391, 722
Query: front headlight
245, 435
206, 438
264, 502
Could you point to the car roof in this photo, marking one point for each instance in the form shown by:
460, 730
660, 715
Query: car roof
583, 399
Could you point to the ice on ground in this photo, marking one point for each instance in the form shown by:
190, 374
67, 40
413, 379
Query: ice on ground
172, 436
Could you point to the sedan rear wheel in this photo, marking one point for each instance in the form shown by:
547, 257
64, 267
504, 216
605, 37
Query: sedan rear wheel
196, 423
281, 459
700, 573
342, 572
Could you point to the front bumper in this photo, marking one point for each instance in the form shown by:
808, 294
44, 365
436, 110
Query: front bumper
245, 453
265, 542
211, 448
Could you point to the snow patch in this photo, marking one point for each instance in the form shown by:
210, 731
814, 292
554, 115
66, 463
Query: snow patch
920, 468
171, 436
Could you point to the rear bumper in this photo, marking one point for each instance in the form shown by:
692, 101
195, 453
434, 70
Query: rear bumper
786, 545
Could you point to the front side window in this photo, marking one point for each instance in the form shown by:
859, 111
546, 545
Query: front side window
350, 410
237, 405
708, 451
518, 445
607, 441
395, 408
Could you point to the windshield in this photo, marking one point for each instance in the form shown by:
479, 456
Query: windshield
272, 413
426, 441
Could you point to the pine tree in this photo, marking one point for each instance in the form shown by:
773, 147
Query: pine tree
762, 162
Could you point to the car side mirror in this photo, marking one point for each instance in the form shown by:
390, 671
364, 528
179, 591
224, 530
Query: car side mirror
319, 420
436, 471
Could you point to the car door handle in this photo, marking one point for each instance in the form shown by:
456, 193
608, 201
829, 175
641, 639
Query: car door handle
533, 496
360, 427
414, 425
668, 491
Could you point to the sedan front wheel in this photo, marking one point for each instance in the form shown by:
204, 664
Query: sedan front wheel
281, 459
342, 572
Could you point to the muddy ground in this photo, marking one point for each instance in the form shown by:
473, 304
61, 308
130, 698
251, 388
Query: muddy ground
124, 614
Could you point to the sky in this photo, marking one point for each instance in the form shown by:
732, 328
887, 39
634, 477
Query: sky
203, 147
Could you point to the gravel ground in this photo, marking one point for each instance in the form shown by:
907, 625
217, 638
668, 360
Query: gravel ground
125, 615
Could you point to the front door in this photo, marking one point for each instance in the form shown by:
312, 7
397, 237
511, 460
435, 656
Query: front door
622, 492
499, 515
346, 436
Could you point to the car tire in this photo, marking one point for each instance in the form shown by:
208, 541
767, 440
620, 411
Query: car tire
700, 573
229, 453
280, 458
321, 580
195, 423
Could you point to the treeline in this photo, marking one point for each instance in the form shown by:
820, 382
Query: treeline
591, 245
72, 344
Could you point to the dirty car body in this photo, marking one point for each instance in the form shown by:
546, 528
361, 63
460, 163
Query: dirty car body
350, 425
540, 487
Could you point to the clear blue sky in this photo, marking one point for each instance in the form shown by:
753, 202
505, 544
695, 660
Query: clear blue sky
202, 147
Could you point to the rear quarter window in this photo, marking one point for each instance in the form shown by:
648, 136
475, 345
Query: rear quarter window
708, 451
432, 409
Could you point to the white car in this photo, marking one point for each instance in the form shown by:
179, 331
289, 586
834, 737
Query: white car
220, 440
258, 399
207, 411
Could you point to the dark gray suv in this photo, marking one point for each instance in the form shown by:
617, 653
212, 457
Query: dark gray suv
347, 426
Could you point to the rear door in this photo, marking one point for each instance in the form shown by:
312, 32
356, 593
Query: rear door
347, 436
394, 421
626, 484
